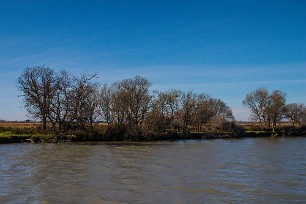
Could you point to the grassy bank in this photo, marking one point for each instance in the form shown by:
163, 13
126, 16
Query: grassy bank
14, 132
18, 132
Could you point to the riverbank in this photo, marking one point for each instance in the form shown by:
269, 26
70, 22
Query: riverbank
163, 137
26, 139
30, 132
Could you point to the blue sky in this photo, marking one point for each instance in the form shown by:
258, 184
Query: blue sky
223, 48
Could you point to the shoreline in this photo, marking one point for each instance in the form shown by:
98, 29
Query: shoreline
166, 137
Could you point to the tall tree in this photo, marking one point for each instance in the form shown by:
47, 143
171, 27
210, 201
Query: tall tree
275, 108
37, 85
105, 105
164, 111
169, 103
204, 111
257, 101
187, 110
61, 104
119, 102
137, 98
84, 100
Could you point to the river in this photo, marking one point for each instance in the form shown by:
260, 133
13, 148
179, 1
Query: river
259, 170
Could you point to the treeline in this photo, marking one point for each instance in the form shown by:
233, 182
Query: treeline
74, 105
70, 103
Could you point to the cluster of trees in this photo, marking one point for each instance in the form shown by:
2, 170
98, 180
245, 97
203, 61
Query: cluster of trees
271, 108
58, 98
127, 106
68, 102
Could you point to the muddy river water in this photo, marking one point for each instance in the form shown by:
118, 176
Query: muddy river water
260, 170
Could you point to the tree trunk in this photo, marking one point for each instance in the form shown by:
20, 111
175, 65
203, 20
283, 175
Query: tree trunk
44, 124
273, 129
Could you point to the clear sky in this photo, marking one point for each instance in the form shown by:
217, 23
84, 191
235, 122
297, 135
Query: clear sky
223, 48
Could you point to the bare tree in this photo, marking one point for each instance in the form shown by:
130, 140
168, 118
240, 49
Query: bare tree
137, 98
156, 122
119, 104
257, 101
172, 102
84, 100
222, 110
168, 104
61, 105
265, 107
164, 110
295, 112
105, 105
37, 85
275, 109
187, 110
206, 109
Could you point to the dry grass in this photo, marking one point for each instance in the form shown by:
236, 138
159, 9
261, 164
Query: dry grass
20, 124
19, 128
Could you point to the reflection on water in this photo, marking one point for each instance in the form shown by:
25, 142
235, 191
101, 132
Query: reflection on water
259, 170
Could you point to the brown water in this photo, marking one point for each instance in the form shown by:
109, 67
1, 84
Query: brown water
259, 170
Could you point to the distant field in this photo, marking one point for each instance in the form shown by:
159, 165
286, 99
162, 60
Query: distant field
20, 124
260, 126
246, 125
33, 124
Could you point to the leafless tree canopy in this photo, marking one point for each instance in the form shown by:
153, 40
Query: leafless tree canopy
266, 107
58, 98
38, 85
296, 113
